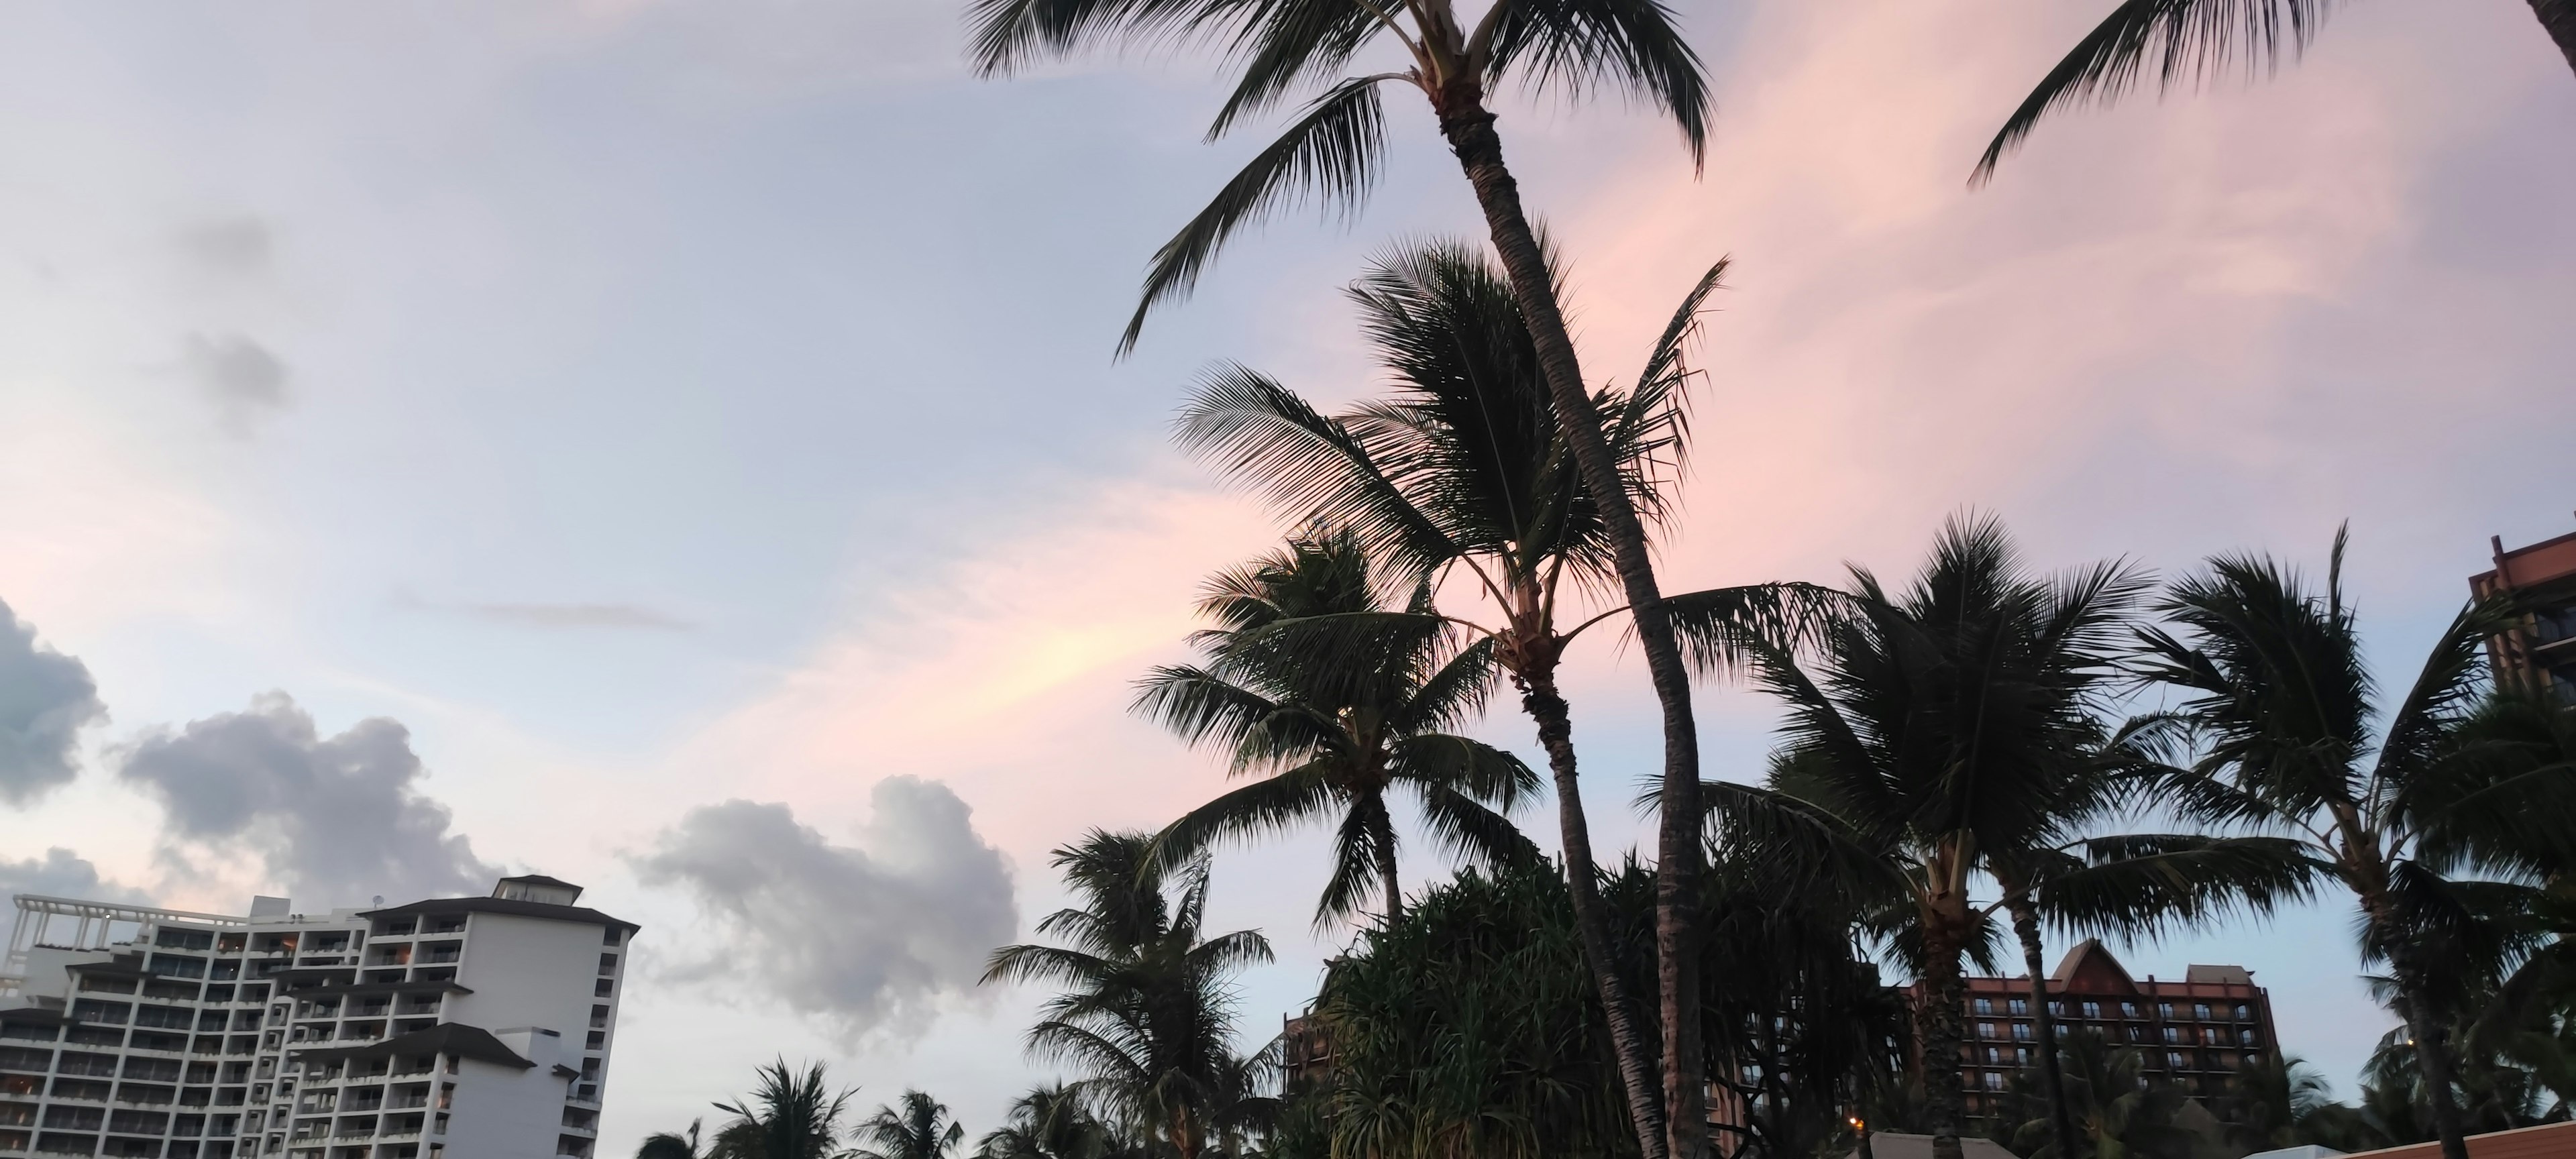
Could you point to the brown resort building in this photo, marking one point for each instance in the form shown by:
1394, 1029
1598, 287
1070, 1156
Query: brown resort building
2542, 650
2196, 1031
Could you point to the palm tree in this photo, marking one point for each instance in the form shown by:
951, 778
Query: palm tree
1338, 738
1334, 149
2434, 832
1148, 1006
790, 1115
2186, 40
2120, 1113
2268, 1100
1935, 739
920, 1128
1049, 1122
1464, 473
670, 1144
2132, 885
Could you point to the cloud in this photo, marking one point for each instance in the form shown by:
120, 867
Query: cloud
866, 937
245, 379
46, 698
333, 819
233, 247
625, 616
59, 873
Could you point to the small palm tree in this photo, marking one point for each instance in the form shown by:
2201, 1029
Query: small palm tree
2120, 1113
1335, 149
2440, 837
1338, 737
919, 1127
670, 1144
1049, 1122
2268, 1099
2185, 40
1148, 1007
790, 1115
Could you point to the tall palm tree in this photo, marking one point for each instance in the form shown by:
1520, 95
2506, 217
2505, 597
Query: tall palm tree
1338, 738
2185, 40
919, 1127
1464, 475
1148, 1007
1334, 149
1931, 741
790, 1115
2433, 832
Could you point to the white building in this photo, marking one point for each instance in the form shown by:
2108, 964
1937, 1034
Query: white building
454, 1028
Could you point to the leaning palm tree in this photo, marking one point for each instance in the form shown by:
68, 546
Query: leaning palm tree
919, 1127
1334, 149
789, 1115
1463, 478
2438, 835
2185, 40
1338, 739
1934, 733
1148, 1009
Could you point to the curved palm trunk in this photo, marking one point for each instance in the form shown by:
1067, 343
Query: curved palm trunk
1469, 128
2052, 1079
2559, 17
1546, 706
1941, 1031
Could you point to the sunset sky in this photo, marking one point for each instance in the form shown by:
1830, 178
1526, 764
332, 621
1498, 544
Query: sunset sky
675, 446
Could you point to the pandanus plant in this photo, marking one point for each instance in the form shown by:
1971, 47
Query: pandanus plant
1461, 481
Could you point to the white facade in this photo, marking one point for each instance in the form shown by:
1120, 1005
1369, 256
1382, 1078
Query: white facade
453, 1028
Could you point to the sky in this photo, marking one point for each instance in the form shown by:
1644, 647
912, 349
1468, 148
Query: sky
676, 446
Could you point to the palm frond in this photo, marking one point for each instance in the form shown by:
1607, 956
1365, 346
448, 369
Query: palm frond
2182, 39
1630, 45
1332, 152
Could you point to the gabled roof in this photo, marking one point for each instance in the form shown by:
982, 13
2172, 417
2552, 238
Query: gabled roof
454, 1039
442, 906
2090, 967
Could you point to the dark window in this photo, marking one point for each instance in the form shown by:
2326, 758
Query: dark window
2092, 1010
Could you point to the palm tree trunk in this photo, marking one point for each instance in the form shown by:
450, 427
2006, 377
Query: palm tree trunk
2432, 1037
2559, 17
1545, 705
1469, 128
2052, 1079
1941, 1034
1386, 876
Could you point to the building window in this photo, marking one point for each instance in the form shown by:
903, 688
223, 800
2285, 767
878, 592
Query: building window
2021, 1031
2164, 1009
2128, 1010
2172, 1036
2247, 1038
2018, 1006
2243, 1012
2021, 1055
1983, 1006
2200, 1010
2092, 1010
1985, 1030
1994, 1080
1994, 1056
2173, 1059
